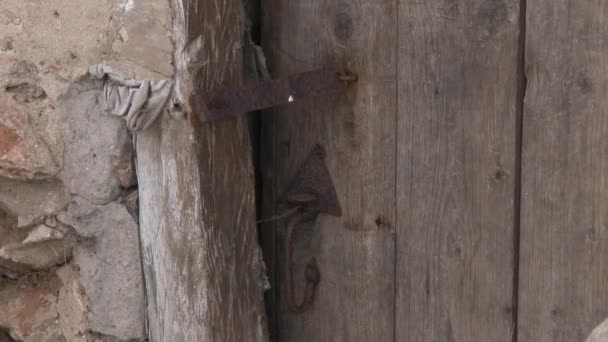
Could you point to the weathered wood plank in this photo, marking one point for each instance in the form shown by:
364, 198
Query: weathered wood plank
564, 229
355, 253
456, 169
202, 263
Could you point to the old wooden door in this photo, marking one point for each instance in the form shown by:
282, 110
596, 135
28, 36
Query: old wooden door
474, 207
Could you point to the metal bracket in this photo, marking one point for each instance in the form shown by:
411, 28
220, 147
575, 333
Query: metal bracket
228, 102
313, 191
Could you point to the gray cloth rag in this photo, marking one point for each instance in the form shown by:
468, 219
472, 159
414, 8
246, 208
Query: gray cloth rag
140, 102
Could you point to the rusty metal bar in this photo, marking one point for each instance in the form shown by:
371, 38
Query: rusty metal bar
227, 102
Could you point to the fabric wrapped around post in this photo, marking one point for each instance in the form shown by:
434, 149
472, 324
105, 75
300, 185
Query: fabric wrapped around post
139, 102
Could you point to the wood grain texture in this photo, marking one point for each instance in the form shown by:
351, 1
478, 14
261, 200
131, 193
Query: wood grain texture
355, 253
457, 96
564, 229
202, 262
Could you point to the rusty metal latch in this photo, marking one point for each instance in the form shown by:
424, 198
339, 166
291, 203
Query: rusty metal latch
228, 102
313, 192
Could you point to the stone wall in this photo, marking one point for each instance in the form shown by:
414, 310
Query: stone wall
70, 266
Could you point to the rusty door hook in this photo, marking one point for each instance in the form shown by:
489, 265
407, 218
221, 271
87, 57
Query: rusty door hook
313, 192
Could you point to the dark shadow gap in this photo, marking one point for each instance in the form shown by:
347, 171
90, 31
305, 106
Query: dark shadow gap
521, 93
259, 142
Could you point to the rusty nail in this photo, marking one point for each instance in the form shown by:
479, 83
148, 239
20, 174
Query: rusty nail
348, 77
228, 102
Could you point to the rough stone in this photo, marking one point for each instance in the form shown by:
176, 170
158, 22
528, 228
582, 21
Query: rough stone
110, 269
107, 338
29, 308
43, 307
9, 234
145, 38
8, 228
51, 221
8, 139
37, 256
7, 44
41, 249
32, 201
33, 249
55, 142
42, 233
90, 135
60, 38
122, 33
45, 48
72, 304
29, 144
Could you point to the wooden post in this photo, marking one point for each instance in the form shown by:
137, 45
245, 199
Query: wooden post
202, 264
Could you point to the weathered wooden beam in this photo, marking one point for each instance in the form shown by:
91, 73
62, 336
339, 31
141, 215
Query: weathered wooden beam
202, 264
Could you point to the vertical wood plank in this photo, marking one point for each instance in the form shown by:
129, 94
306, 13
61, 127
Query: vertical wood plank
458, 64
202, 263
564, 230
355, 253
